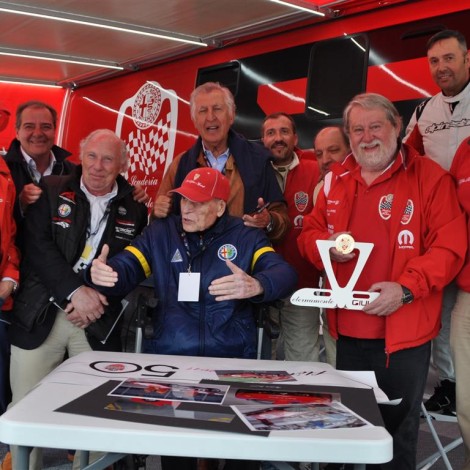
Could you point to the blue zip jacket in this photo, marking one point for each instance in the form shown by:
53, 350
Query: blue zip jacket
207, 327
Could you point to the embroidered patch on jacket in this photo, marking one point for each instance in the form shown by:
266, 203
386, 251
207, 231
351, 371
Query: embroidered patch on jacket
406, 240
301, 200
177, 258
227, 251
64, 223
408, 214
64, 210
68, 196
385, 206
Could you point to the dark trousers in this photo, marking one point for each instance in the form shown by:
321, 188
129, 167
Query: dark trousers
5, 392
403, 377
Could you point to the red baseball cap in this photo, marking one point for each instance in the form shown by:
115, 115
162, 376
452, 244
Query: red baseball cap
204, 184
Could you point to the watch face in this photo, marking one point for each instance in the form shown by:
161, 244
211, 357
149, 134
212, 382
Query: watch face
407, 297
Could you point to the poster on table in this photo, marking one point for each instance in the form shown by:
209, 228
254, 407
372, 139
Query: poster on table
244, 407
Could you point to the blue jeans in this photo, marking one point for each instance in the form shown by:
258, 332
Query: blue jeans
404, 377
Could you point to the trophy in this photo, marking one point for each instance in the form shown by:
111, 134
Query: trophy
341, 297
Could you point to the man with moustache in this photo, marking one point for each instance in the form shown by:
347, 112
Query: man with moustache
436, 129
297, 178
384, 193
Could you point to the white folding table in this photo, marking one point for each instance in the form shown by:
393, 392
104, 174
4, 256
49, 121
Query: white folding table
33, 422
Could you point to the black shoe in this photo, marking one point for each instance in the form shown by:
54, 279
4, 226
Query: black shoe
443, 399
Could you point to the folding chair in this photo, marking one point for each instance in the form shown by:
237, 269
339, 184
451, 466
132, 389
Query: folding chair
144, 320
442, 450
266, 328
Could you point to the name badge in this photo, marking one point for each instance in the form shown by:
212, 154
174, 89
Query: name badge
188, 288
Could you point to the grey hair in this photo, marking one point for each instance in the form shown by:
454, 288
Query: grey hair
209, 87
111, 135
373, 101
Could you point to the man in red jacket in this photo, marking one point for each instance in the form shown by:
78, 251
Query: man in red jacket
297, 178
460, 316
9, 276
384, 193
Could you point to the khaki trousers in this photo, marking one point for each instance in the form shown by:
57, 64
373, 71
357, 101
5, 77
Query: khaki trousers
29, 367
460, 346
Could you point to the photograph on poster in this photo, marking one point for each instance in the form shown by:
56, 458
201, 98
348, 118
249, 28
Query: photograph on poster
169, 409
255, 376
226, 405
299, 417
170, 391
285, 397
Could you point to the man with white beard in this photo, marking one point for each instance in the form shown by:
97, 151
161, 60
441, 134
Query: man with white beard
437, 128
386, 194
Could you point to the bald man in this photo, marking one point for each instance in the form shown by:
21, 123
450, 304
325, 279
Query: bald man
331, 145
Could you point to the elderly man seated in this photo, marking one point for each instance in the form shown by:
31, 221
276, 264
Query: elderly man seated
205, 265
209, 270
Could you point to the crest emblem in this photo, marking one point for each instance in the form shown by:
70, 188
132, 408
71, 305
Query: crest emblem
301, 200
385, 206
64, 210
147, 106
147, 122
227, 252
408, 214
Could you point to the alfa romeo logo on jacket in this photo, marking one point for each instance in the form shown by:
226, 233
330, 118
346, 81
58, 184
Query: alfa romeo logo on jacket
64, 210
227, 251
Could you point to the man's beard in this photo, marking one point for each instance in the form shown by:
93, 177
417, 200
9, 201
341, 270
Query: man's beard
380, 158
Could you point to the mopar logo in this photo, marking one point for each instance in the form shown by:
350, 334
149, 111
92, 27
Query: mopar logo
406, 240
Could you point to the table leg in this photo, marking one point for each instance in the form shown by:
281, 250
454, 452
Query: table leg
22, 459
84, 458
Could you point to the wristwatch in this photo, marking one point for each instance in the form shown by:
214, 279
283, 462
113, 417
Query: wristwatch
407, 296
270, 226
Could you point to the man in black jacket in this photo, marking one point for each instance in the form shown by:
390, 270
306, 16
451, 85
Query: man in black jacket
33, 155
55, 312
